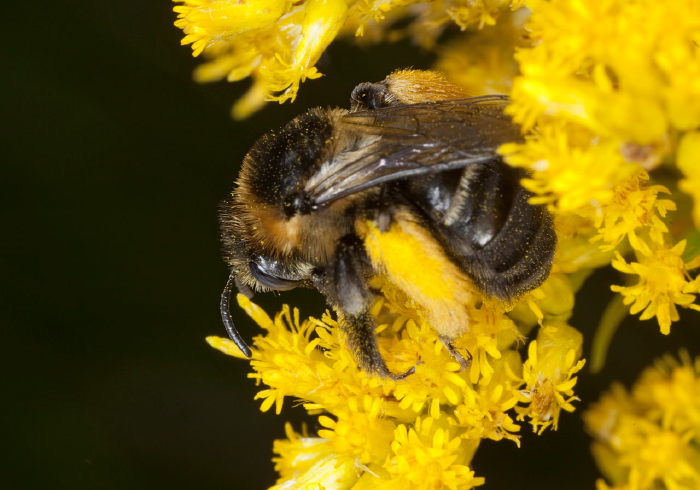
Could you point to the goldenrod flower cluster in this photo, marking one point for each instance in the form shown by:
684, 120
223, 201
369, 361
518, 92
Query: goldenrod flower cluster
649, 437
420, 432
611, 90
279, 42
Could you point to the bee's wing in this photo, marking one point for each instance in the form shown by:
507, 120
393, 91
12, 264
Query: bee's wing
413, 140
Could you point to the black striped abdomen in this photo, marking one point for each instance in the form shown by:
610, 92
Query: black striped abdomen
482, 218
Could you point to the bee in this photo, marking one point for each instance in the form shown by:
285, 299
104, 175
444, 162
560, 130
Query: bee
413, 155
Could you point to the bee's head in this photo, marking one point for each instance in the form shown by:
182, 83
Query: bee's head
254, 256
272, 234
254, 264
263, 222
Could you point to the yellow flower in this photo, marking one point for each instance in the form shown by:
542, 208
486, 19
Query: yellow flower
672, 387
484, 413
483, 61
576, 253
663, 284
207, 22
420, 432
278, 42
482, 12
623, 69
360, 431
634, 206
573, 170
429, 455
548, 375
648, 438
309, 463
601, 86
432, 362
292, 364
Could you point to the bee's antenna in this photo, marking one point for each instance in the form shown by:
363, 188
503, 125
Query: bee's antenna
228, 321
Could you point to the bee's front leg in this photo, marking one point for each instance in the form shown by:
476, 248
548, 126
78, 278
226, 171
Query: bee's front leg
344, 283
243, 288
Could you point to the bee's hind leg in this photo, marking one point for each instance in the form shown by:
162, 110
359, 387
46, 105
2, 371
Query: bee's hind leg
464, 363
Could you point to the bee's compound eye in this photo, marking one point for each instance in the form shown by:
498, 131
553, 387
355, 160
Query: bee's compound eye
270, 281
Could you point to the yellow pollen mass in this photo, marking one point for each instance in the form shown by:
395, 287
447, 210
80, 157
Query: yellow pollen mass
407, 256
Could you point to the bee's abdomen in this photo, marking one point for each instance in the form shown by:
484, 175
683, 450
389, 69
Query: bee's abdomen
482, 217
519, 257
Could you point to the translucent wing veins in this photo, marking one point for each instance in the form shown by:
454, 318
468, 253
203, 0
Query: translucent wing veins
411, 140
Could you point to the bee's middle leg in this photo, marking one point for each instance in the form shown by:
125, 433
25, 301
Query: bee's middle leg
345, 286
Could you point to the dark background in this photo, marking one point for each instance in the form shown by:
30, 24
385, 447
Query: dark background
114, 162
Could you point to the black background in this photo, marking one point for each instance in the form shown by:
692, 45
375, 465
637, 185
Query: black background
114, 162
